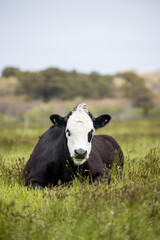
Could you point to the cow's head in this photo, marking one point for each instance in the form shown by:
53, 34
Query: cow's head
80, 126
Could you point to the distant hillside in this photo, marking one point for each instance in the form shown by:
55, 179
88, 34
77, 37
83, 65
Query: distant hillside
125, 94
56, 83
153, 81
138, 90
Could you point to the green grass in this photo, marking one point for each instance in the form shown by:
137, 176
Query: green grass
126, 209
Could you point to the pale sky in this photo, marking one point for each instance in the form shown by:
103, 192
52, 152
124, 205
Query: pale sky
106, 36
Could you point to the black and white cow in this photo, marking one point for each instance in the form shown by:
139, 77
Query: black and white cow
69, 149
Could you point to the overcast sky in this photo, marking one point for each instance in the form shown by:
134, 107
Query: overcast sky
106, 36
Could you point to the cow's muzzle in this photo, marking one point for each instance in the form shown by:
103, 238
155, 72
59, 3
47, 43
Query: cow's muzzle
80, 153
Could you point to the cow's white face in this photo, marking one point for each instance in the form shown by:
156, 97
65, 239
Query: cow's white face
79, 134
79, 129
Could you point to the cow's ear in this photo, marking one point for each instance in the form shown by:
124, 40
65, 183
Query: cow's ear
101, 121
58, 120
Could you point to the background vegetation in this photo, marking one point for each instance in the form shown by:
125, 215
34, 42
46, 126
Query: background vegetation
127, 94
55, 83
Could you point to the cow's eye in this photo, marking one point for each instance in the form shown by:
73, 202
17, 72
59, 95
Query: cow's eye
90, 135
68, 132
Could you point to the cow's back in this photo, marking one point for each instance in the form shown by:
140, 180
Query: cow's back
105, 151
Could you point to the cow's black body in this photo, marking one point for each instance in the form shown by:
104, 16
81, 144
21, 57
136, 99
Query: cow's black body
51, 162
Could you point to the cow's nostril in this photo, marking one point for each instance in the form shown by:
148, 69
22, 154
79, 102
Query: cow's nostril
80, 153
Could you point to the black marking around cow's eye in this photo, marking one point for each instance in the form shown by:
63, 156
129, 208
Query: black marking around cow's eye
69, 133
90, 135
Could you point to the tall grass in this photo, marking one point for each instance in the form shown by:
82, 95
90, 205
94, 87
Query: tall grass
126, 209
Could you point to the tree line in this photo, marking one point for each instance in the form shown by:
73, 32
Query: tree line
55, 83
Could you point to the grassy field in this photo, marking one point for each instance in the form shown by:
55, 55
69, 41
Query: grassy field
126, 209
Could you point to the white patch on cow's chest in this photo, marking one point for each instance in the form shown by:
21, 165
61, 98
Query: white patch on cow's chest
77, 129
